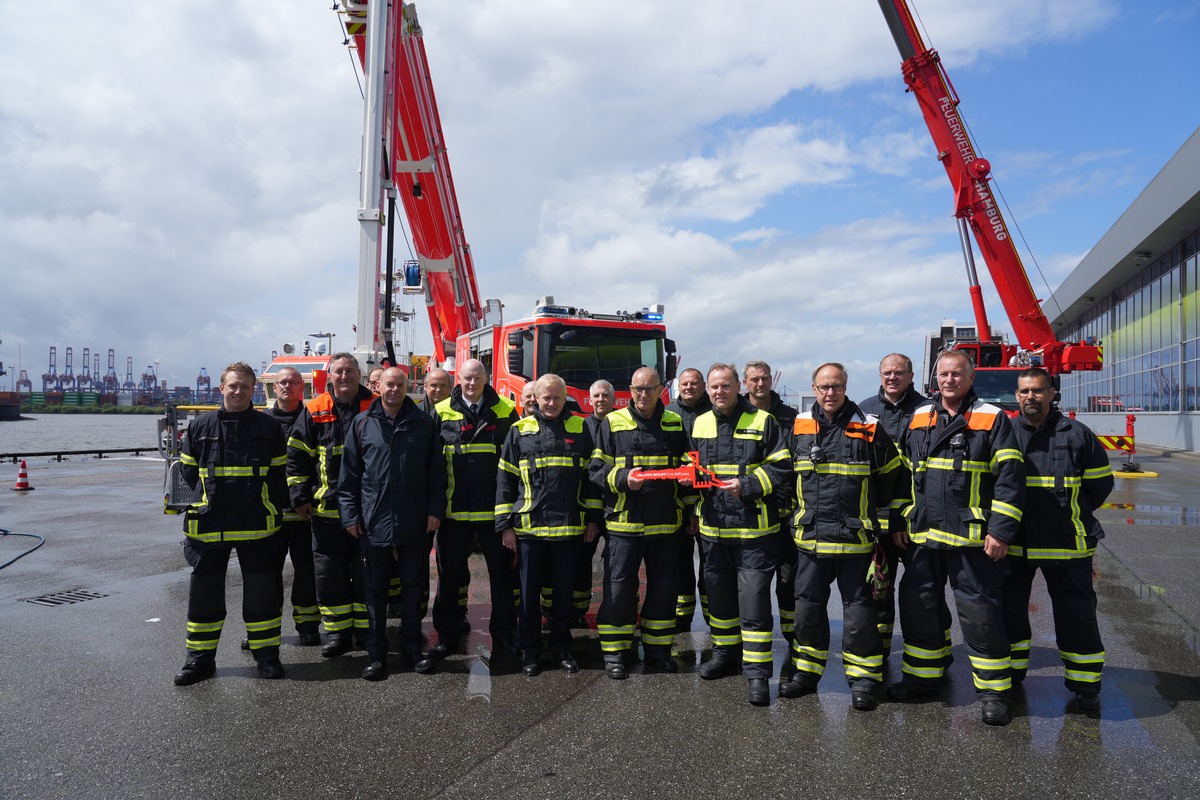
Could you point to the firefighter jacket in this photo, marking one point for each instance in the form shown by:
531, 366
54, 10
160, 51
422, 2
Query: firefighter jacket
286, 420
237, 459
542, 487
846, 468
1067, 477
785, 416
471, 445
315, 450
689, 413
392, 475
894, 418
745, 446
968, 477
626, 441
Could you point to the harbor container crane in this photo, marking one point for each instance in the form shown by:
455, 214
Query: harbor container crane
51, 380
111, 383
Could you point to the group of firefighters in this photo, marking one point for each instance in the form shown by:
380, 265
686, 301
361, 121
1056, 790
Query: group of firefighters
361, 482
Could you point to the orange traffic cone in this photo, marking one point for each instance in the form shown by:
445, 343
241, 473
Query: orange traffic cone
22, 484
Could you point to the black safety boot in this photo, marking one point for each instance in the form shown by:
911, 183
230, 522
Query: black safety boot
335, 645
905, 692
722, 664
194, 672
863, 700
270, 668
995, 712
759, 692
795, 687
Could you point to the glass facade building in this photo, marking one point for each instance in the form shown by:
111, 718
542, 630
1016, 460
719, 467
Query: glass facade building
1137, 293
1150, 331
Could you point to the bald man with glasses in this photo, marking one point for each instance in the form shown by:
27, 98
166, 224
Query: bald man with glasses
644, 520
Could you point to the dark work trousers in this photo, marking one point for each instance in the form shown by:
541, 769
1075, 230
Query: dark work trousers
394, 593
411, 561
298, 542
1073, 599
454, 542
336, 560
618, 614
887, 603
862, 648
785, 583
690, 582
546, 562
738, 576
581, 592
262, 596
581, 595
977, 583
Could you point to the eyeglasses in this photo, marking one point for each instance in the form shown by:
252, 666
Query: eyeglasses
290, 382
644, 389
832, 388
894, 374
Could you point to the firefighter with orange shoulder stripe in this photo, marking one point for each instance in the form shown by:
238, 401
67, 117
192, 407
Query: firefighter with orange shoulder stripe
968, 489
644, 521
236, 456
846, 469
314, 462
1067, 477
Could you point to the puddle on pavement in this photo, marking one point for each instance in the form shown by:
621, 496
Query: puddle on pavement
479, 679
1173, 515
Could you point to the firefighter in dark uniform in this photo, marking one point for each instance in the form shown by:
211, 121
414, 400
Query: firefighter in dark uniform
436, 386
237, 457
297, 532
391, 498
474, 422
314, 462
756, 376
545, 505
739, 528
602, 396
644, 521
690, 402
1067, 477
968, 482
846, 469
894, 405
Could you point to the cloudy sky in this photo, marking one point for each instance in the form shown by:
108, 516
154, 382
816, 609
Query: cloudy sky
178, 181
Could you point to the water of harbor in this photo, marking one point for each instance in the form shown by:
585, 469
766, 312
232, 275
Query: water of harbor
54, 432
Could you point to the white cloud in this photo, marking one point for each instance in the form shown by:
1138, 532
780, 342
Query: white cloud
181, 179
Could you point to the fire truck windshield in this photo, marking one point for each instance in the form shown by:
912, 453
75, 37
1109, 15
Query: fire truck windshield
582, 355
998, 386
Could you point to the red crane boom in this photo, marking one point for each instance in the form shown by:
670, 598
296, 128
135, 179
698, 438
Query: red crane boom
416, 164
974, 203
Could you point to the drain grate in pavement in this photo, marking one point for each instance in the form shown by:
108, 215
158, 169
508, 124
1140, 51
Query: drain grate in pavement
64, 598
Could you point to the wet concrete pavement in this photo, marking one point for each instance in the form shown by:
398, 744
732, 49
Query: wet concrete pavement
88, 709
